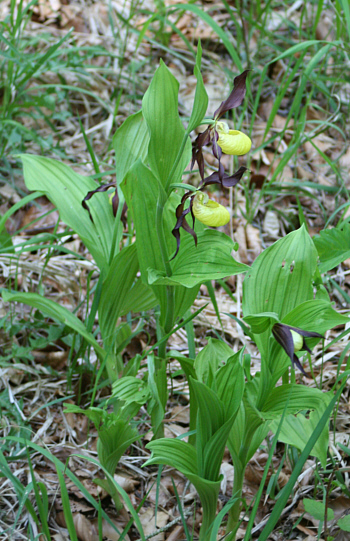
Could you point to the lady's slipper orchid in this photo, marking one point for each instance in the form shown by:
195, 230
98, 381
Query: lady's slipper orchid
223, 139
209, 212
204, 209
292, 340
232, 141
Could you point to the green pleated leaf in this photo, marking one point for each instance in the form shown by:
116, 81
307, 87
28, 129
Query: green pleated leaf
157, 384
333, 247
210, 260
281, 277
260, 323
315, 316
114, 432
66, 190
160, 110
200, 103
208, 359
237, 433
142, 189
115, 290
246, 418
130, 142
299, 398
115, 436
56, 312
95, 415
213, 426
174, 453
140, 299
131, 389
184, 298
229, 384
297, 430
182, 456
213, 452
208, 492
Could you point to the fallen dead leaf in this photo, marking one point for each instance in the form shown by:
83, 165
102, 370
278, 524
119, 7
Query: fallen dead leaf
166, 489
240, 237
227, 472
180, 414
176, 534
127, 482
38, 214
87, 529
253, 241
271, 225
148, 523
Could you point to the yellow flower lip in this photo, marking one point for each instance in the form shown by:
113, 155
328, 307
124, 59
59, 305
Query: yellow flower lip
209, 212
232, 142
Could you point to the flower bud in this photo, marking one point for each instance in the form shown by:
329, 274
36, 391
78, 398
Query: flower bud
298, 340
209, 212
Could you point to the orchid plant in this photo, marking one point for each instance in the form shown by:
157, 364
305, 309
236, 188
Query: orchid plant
152, 149
285, 312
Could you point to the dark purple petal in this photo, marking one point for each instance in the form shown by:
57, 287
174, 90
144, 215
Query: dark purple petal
297, 363
197, 153
115, 205
197, 156
88, 196
231, 180
181, 221
307, 334
217, 151
236, 97
204, 138
227, 180
284, 337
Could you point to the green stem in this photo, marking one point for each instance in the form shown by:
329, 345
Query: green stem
235, 511
117, 227
162, 349
285, 378
169, 316
161, 238
239, 464
115, 496
182, 186
209, 499
177, 160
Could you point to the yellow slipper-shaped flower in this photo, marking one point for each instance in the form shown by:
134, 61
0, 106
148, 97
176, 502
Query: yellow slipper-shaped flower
209, 212
232, 141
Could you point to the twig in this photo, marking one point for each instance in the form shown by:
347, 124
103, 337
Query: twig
168, 526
